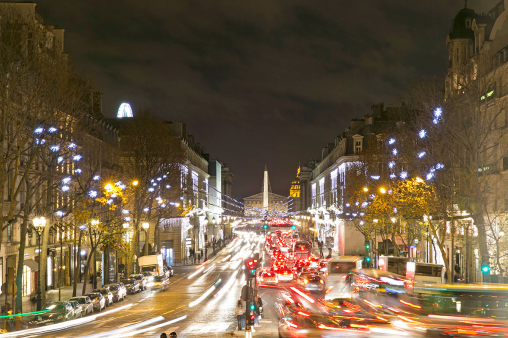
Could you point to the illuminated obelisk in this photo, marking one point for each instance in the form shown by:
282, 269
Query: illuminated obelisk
265, 190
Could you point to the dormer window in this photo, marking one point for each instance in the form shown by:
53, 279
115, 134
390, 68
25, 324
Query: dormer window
468, 23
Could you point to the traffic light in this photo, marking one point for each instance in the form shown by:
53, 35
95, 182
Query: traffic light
293, 227
250, 267
265, 226
485, 267
367, 246
252, 307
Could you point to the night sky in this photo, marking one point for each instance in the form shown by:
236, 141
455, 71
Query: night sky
257, 82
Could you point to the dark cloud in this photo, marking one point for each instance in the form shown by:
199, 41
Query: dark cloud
258, 82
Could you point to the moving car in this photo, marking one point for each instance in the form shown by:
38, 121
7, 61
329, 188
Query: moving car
169, 271
85, 303
142, 280
58, 312
78, 311
119, 293
268, 277
311, 282
285, 275
132, 285
159, 283
108, 296
98, 301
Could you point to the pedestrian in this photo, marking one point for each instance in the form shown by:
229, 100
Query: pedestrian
240, 317
172, 335
163, 335
199, 257
257, 313
18, 323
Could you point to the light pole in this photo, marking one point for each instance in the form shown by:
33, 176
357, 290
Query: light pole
145, 226
213, 239
39, 224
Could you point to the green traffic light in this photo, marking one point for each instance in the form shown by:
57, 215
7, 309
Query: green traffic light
253, 271
367, 246
367, 259
485, 269
265, 226
252, 307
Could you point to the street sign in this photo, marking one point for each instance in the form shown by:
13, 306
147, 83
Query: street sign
247, 293
416, 241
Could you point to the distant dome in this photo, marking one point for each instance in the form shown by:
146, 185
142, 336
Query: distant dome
462, 24
125, 110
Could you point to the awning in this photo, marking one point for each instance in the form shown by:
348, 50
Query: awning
33, 265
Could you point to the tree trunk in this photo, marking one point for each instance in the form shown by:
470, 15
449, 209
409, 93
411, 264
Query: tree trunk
77, 267
87, 267
21, 258
482, 241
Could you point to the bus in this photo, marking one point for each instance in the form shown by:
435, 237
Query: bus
420, 273
481, 300
338, 269
302, 250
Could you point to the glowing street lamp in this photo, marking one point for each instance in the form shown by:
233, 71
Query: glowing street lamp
382, 190
135, 183
146, 225
108, 187
366, 189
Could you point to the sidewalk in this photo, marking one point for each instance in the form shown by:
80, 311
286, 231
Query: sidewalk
51, 296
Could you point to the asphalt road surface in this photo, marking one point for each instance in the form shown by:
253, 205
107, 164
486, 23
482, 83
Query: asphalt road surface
206, 296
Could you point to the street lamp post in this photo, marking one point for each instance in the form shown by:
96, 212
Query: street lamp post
39, 224
213, 239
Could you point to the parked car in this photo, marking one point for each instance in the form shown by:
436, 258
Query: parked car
141, 280
58, 312
118, 292
106, 294
98, 301
123, 288
78, 311
131, 285
85, 303
169, 271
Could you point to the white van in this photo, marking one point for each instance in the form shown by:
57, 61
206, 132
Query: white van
338, 269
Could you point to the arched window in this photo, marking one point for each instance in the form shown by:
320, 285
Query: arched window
468, 23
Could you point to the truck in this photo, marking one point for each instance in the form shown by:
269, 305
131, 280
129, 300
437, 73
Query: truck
152, 264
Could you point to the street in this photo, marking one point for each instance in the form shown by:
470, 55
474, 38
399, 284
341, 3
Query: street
208, 318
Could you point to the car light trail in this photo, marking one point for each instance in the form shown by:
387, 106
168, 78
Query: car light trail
302, 294
114, 310
210, 269
204, 295
151, 328
225, 259
196, 272
463, 318
127, 328
203, 264
52, 327
409, 304
225, 288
